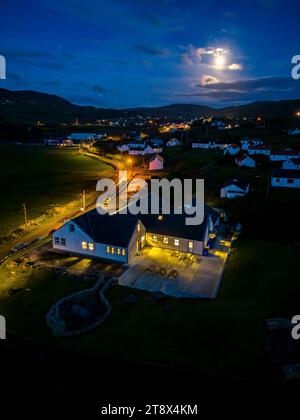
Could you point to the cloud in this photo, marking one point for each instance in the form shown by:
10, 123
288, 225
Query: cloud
149, 50
235, 66
197, 55
208, 80
264, 88
261, 84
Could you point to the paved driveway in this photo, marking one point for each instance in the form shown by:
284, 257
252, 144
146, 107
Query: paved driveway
199, 278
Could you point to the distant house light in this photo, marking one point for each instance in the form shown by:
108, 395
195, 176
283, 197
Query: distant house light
191, 244
91, 246
107, 250
83, 245
123, 252
118, 251
176, 242
154, 238
166, 240
139, 227
112, 250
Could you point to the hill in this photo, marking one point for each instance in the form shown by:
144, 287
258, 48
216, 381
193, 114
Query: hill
27, 106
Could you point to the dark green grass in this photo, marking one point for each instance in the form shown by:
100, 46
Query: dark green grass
42, 178
224, 336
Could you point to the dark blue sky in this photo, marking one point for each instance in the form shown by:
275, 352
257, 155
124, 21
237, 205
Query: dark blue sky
124, 53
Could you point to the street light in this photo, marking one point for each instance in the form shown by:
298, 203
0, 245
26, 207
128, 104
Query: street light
129, 161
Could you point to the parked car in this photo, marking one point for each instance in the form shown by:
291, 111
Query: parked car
18, 247
34, 241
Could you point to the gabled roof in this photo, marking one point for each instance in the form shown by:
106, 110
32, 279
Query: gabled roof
156, 157
175, 224
114, 230
296, 161
285, 173
243, 157
240, 183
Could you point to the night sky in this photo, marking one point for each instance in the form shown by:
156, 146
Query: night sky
117, 53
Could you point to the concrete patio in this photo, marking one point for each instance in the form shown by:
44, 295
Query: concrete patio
197, 278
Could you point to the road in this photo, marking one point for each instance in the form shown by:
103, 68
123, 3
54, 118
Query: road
57, 222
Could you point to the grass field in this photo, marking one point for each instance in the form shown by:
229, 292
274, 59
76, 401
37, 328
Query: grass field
43, 178
225, 336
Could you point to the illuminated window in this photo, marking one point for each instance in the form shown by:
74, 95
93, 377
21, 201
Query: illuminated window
154, 237
63, 242
91, 246
72, 227
112, 250
143, 238
118, 251
123, 252
166, 240
83, 245
176, 242
139, 228
191, 245
107, 250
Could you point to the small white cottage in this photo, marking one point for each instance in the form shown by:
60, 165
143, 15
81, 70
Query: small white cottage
232, 149
285, 178
173, 142
246, 161
291, 164
235, 188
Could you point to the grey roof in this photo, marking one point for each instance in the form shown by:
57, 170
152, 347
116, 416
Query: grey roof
114, 230
175, 224
117, 230
285, 173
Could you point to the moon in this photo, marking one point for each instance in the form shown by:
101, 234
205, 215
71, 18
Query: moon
220, 61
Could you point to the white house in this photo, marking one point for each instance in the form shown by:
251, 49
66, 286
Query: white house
78, 137
156, 163
291, 164
150, 150
123, 148
173, 142
232, 149
294, 132
202, 144
285, 178
136, 151
246, 143
259, 150
281, 155
119, 238
246, 161
235, 188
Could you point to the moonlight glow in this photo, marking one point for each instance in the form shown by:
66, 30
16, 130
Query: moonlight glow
220, 61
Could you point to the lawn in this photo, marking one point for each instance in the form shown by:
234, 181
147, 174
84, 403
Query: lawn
225, 336
42, 178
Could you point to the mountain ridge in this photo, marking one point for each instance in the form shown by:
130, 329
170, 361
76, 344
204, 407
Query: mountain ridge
29, 106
